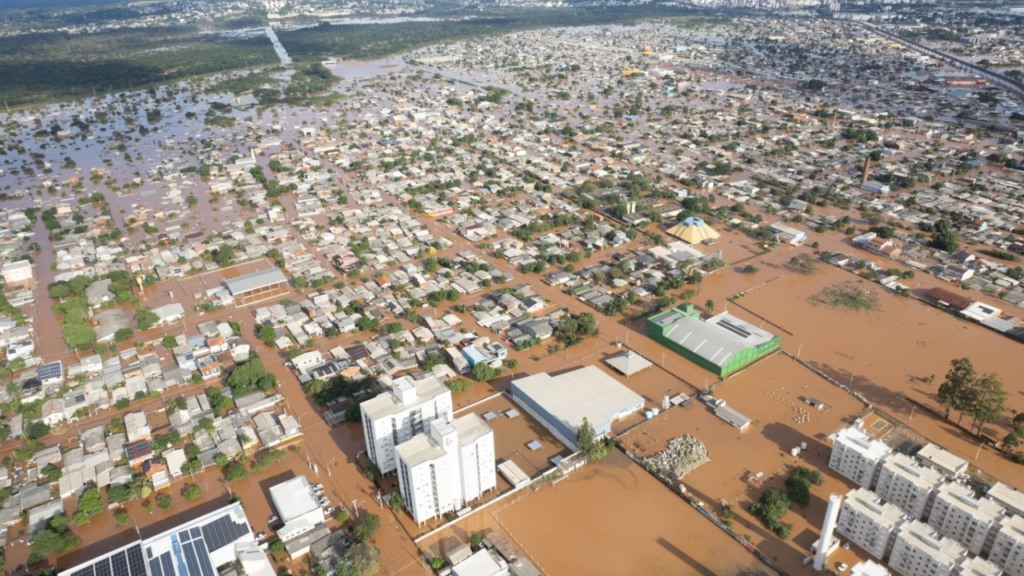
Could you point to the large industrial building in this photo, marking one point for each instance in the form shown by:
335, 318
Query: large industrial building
199, 547
442, 470
869, 523
252, 288
903, 482
395, 417
857, 457
958, 515
722, 344
562, 402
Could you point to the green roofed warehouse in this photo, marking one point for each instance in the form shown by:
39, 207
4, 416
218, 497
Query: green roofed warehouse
722, 344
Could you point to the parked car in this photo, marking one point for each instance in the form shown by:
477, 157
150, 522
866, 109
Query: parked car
842, 567
272, 519
323, 501
330, 511
261, 535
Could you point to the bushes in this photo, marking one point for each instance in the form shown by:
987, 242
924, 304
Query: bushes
798, 485
770, 509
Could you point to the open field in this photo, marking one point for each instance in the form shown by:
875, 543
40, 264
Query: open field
743, 464
579, 525
885, 354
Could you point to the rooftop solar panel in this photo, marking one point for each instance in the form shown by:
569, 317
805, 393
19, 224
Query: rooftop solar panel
167, 563
189, 552
102, 568
154, 568
87, 571
223, 531
136, 564
51, 370
119, 565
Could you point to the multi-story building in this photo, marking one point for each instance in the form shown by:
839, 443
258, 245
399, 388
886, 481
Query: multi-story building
869, 568
857, 457
959, 515
395, 417
904, 483
443, 469
1007, 497
1008, 546
942, 460
868, 523
920, 551
977, 566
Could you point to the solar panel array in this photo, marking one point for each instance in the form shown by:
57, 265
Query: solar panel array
51, 370
223, 531
127, 562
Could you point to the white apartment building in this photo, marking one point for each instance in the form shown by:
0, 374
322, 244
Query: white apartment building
442, 470
977, 566
1007, 497
1008, 546
869, 568
868, 523
395, 417
957, 514
920, 551
942, 460
857, 457
906, 484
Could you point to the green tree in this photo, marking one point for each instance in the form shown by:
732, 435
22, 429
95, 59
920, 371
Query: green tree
588, 444
37, 430
266, 333
192, 492
47, 543
51, 473
169, 342
276, 546
770, 509
90, 503
989, 402
366, 529
944, 237
123, 334
395, 501
119, 493
164, 501
78, 335
955, 391
146, 319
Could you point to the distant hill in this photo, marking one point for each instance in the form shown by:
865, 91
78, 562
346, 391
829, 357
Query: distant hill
44, 4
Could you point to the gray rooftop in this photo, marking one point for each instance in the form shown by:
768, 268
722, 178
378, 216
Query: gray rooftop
255, 281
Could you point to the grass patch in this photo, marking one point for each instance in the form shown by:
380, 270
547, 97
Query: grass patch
847, 296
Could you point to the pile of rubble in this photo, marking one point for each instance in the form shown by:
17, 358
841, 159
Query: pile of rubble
682, 456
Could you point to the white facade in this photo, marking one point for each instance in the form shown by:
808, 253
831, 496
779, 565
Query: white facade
942, 460
1008, 547
397, 416
868, 523
442, 470
920, 551
1007, 497
294, 503
958, 515
904, 483
978, 566
857, 457
869, 568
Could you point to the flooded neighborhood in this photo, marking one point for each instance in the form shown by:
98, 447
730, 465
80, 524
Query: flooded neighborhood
697, 294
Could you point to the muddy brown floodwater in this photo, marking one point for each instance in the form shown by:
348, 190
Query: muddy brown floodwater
610, 517
885, 354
